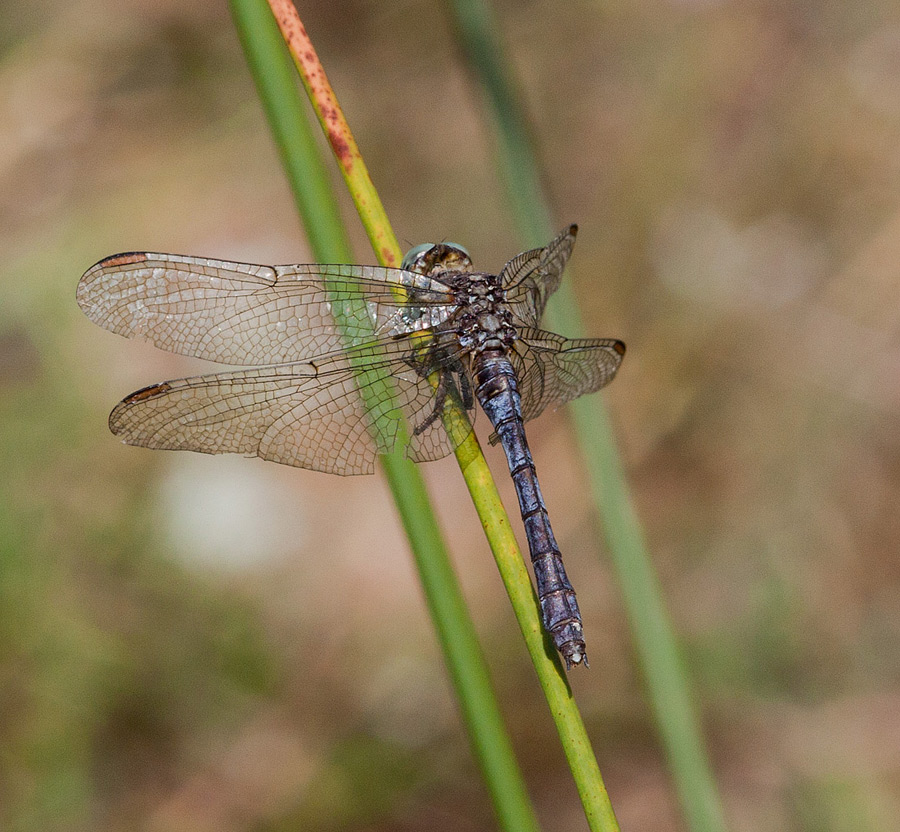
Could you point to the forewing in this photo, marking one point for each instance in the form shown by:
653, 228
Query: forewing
552, 370
532, 276
238, 313
316, 415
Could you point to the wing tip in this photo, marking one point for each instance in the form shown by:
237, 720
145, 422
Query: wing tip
619, 347
123, 258
147, 393
85, 286
115, 418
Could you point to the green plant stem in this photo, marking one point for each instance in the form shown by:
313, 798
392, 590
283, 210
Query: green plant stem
276, 84
667, 683
471, 460
275, 79
547, 663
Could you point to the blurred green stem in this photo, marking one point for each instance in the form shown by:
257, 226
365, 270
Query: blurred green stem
276, 83
667, 684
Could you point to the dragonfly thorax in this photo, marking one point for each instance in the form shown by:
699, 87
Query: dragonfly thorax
486, 325
476, 291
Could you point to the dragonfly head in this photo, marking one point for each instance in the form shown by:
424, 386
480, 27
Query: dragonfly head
430, 258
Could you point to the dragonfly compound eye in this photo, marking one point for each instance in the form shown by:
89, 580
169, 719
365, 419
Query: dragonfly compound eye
424, 257
414, 254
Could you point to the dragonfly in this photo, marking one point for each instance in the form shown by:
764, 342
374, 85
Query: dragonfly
337, 364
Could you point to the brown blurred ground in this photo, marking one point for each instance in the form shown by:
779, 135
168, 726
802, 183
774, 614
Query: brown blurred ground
735, 169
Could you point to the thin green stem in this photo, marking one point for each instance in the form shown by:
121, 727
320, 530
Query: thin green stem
667, 683
547, 663
276, 82
475, 471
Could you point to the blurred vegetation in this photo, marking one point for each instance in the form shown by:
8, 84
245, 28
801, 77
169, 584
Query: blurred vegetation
733, 168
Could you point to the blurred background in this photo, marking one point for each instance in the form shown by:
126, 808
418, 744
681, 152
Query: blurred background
735, 171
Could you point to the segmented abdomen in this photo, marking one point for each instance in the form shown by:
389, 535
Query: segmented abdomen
498, 394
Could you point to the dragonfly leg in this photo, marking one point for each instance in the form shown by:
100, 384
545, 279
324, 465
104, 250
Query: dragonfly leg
465, 387
445, 386
440, 398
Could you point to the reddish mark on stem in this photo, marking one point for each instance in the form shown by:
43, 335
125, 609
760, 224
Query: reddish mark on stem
320, 90
341, 149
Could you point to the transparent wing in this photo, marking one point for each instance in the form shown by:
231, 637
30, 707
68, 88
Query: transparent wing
310, 415
552, 370
532, 276
237, 313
